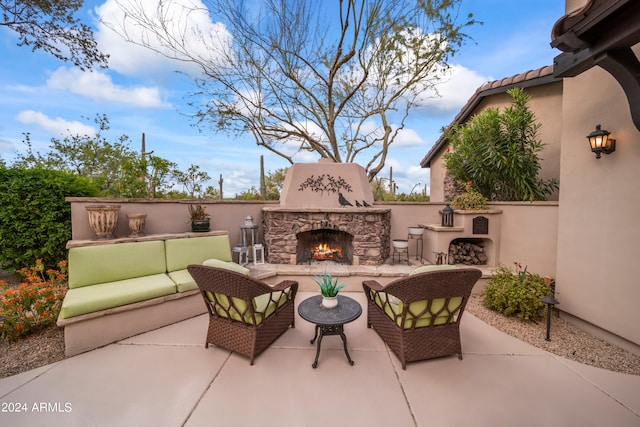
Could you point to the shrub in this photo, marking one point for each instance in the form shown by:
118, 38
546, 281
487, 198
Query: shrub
35, 218
470, 199
516, 293
35, 303
500, 152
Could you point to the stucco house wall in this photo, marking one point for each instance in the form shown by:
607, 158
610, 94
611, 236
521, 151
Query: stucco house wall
598, 227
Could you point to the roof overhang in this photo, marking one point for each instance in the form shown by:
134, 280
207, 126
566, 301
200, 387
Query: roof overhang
602, 33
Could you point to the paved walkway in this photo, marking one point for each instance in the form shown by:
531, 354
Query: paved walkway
167, 378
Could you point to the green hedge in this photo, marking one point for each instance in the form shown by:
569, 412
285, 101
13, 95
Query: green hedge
35, 219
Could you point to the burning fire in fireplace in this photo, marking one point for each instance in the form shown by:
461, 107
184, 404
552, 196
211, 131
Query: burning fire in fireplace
324, 252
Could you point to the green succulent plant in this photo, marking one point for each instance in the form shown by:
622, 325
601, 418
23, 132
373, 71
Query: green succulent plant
328, 285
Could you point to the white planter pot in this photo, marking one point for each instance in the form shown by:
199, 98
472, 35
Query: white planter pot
329, 302
416, 231
400, 244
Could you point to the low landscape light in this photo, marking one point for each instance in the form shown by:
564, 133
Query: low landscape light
550, 301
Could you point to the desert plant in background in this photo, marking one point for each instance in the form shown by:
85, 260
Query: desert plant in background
470, 199
516, 292
35, 303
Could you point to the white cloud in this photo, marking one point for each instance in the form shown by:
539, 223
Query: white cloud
456, 88
408, 137
99, 86
57, 126
188, 23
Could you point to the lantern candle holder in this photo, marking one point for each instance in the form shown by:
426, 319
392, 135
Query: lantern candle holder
447, 216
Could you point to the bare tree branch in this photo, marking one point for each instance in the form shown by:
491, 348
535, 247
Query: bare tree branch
335, 78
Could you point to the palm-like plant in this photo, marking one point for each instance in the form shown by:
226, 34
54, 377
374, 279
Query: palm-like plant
328, 285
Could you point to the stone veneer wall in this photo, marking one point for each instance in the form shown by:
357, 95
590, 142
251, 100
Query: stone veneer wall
369, 227
450, 188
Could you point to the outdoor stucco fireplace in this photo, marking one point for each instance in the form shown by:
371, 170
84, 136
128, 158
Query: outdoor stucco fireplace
326, 215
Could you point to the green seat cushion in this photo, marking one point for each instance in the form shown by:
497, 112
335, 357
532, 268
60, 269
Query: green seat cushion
419, 310
437, 267
263, 306
183, 280
227, 265
89, 299
89, 265
195, 250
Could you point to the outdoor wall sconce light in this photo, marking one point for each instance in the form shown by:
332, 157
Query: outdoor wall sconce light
447, 216
600, 142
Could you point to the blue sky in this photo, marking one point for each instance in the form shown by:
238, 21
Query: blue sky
142, 93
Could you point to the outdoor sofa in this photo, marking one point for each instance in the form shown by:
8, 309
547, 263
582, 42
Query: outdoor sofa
123, 289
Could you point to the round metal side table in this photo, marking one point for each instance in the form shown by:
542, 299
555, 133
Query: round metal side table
329, 321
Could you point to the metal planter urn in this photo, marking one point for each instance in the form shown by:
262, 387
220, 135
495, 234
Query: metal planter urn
103, 219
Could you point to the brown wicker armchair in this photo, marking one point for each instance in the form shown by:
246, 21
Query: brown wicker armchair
245, 314
418, 316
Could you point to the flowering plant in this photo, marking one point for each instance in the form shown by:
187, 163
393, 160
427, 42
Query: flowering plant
198, 212
522, 274
35, 303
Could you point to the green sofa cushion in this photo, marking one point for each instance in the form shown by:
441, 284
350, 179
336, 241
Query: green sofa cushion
394, 310
436, 267
195, 250
184, 282
226, 265
265, 303
91, 265
89, 299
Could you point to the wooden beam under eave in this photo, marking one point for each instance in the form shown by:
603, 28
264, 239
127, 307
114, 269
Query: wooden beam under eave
624, 66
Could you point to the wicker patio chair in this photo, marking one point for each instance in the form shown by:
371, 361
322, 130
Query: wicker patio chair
418, 316
246, 315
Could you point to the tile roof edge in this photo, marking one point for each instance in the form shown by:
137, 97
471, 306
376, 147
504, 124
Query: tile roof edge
538, 76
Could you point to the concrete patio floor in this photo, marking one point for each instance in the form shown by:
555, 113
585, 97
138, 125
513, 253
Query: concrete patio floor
167, 378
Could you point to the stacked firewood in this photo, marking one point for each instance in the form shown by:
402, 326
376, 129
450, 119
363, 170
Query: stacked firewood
467, 252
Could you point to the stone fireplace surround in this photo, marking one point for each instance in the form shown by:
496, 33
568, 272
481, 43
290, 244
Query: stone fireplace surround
327, 196
370, 228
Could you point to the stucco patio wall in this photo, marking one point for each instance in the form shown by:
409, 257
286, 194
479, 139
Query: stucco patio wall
528, 230
167, 216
